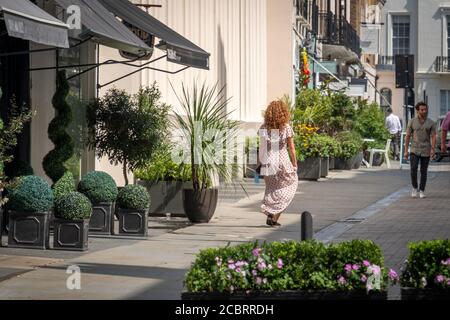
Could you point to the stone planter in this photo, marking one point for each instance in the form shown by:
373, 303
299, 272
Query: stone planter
200, 205
133, 222
324, 167
424, 294
70, 235
102, 219
310, 169
166, 197
28, 230
288, 295
344, 164
332, 165
1, 226
358, 160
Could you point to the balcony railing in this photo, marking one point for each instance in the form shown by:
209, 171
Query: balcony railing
338, 31
441, 64
386, 60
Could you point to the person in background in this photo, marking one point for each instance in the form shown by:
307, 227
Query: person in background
422, 130
395, 129
445, 129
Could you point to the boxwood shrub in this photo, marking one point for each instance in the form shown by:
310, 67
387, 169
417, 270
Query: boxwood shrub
99, 187
133, 197
427, 266
290, 266
31, 194
64, 185
73, 206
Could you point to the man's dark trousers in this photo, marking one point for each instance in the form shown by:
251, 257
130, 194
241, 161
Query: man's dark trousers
424, 162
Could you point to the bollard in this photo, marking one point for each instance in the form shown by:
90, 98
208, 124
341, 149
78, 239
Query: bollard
307, 226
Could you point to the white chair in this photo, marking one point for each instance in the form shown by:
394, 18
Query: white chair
385, 152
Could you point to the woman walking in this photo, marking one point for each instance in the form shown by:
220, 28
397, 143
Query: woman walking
278, 161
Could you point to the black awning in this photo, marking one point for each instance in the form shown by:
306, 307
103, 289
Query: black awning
179, 49
27, 21
104, 28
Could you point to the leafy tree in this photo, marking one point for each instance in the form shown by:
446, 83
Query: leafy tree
126, 128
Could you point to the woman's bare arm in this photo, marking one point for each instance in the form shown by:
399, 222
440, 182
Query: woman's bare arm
291, 149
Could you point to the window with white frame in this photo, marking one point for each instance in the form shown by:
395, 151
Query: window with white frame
448, 36
445, 102
400, 35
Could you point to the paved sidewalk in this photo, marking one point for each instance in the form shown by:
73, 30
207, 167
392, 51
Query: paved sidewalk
155, 268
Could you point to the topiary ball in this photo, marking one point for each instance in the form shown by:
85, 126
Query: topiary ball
73, 206
64, 185
98, 187
133, 197
31, 194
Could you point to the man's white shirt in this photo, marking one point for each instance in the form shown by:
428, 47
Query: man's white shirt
393, 124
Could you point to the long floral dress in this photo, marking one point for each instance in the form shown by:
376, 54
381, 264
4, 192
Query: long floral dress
280, 175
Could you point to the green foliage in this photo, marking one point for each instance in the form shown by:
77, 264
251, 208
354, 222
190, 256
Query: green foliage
350, 144
31, 194
293, 265
54, 161
206, 123
370, 122
133, 197
128, 129
99, 187
73, 206
343, 113
161, 167
18, 168
322, 146
428, 265
64, 185
312, 108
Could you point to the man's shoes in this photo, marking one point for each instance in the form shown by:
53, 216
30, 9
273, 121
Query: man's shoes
422, 195
414, 193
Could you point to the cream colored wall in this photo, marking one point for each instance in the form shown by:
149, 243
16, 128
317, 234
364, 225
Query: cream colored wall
235, 33
42, 89
387, 80
280, 72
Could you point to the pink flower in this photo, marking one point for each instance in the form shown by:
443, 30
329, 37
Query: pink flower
374, 269
440, 278
355, 267
446, 262
280, 264
238, 270
366, 263
363, 278
262, 266
342, 281
348, 267
254, 273
258, 281
232, 266
393, 275
256, 252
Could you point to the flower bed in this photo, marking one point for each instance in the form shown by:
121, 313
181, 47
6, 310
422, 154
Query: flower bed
426, 274
300, 270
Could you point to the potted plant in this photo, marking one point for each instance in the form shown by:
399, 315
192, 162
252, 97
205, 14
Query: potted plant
101, 189
350, 148
71, 225
164, 182
426, 272
126, 128
133, 203
306, 270
29, 204
309, 161
204, 124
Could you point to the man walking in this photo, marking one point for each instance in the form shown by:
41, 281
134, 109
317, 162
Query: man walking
445, 129
423, 147
395, 129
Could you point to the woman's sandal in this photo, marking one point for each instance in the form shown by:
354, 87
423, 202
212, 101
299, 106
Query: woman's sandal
271, 222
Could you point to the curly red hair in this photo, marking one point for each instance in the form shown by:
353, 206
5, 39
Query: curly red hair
277, 115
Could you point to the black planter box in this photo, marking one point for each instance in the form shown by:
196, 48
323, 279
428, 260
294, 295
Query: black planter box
102, 219
425, 294
133, 222
1, 226
29, 230
324, 167
70, 235
343, 164
310, 169
287, 295
166, 197
332, 165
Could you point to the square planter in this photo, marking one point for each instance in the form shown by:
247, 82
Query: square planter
287, 295
133, 222
28, 230
102, 219
166, 196
1, 226
310, 169
424, 294
344, 164
70, 235
331, 164
325, 167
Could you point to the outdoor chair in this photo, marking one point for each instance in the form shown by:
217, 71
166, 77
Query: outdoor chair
382, 151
